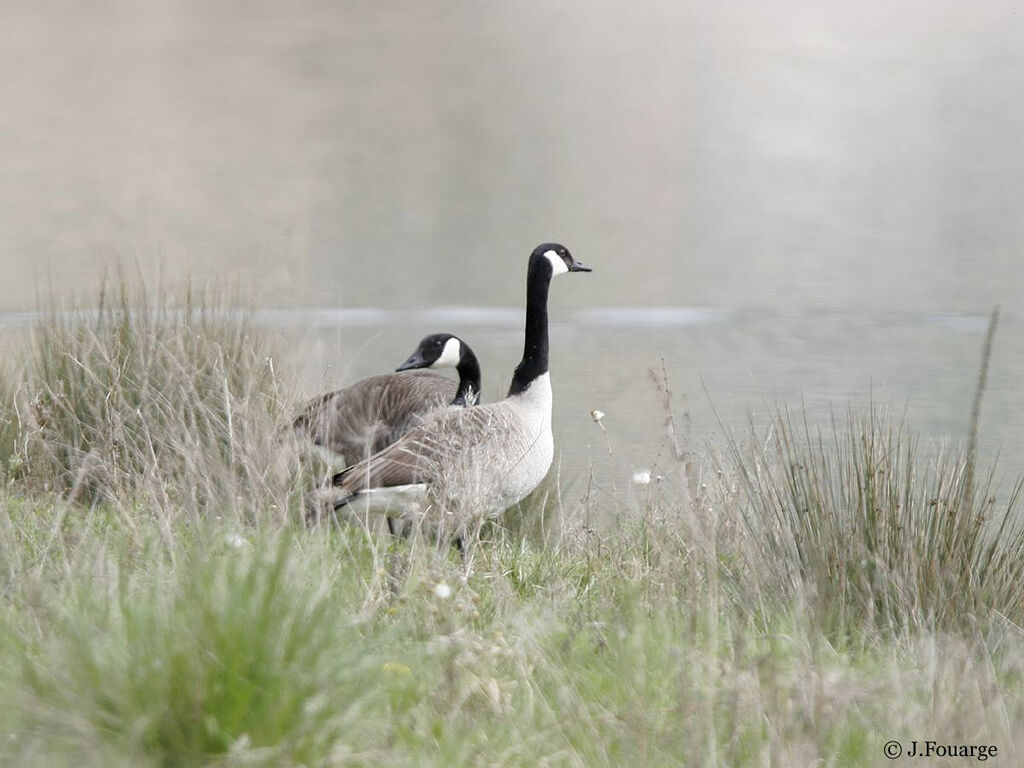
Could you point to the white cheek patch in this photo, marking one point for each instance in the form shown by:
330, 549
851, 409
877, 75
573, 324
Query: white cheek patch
558, 266
450, 355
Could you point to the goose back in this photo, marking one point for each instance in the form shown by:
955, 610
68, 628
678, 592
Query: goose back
366, 417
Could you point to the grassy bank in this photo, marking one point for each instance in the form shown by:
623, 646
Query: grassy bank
801, 598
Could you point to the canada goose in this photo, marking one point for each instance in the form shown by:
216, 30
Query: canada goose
359, 420
482, 459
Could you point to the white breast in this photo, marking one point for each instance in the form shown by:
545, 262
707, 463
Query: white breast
529, 452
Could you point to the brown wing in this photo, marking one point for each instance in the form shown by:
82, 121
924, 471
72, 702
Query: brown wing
444, 440
359, 420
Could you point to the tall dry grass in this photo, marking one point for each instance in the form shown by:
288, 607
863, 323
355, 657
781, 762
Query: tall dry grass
160, 400
853, 520
873, 535
9, 430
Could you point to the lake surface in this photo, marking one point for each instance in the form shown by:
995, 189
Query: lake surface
788, 203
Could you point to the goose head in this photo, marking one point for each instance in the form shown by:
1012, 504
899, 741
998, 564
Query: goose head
443, 350
556, 257
438, 350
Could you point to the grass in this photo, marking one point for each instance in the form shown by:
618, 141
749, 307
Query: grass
8, 428
875, 536
797, 598
143, 404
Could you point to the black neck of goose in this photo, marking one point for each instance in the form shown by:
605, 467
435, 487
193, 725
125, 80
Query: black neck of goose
535, 351
469, 378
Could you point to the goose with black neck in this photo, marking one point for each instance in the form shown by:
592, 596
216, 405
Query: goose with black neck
468, 463
350, 424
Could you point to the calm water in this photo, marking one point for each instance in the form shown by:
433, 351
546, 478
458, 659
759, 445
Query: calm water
787, 202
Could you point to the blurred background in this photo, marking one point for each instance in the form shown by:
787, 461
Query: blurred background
789, 203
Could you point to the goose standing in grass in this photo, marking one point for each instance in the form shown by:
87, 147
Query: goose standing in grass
355, 422
473, 462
